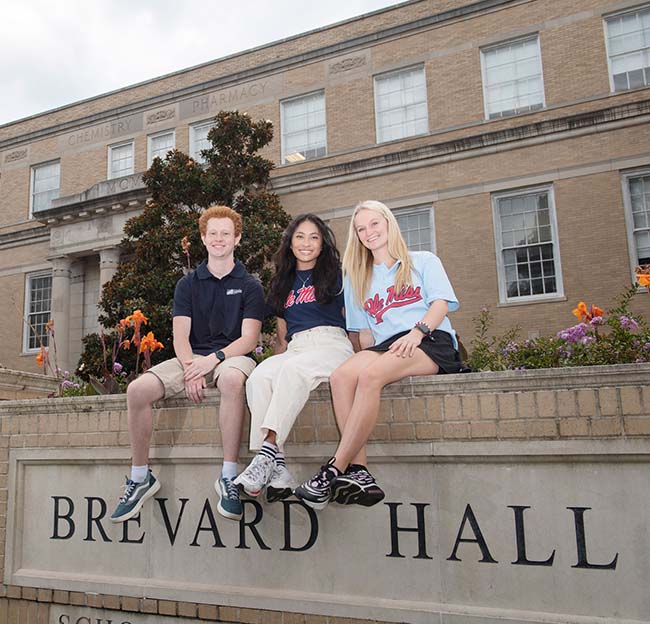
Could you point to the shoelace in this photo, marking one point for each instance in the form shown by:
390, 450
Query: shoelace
322, 479
258, 469
362, 476
129, 487
231, 488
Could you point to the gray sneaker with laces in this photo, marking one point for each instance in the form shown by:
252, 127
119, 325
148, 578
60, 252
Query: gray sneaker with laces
256, 475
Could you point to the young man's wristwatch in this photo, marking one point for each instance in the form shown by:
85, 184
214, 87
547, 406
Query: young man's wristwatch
424, 328
221, 356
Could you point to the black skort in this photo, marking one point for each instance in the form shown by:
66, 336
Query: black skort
439, 347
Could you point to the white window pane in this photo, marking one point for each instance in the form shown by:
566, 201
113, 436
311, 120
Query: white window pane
45, 185
628, 39
513, 78
38, 310
304, 132
401, 104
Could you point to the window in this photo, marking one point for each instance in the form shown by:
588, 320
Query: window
628, 47
528, 255
199, 139
304, 133
45, 186
401, 104
120, 160
636, 191
416, 225
512, 78
159, 145
38, 307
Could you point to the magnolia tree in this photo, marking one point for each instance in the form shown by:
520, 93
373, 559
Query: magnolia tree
163, 242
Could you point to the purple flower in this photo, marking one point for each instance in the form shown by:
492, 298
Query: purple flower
639, 361
117, 368
646, 346
259, 350
587, 339
574, 334
597, 320
628, 322
66, 383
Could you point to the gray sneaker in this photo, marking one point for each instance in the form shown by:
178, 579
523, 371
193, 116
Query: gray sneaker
257, 475
229, 505
281, 484
135, 494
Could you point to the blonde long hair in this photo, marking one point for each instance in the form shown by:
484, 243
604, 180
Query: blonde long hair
357, 259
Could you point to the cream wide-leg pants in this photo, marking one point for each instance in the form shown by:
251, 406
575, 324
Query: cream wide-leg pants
279, 387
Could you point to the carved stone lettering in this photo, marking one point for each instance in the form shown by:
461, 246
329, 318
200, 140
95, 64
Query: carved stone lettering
162, 115
347, 64
15, 155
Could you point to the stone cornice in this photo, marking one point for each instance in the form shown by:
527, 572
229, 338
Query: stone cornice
258, 71
108, 196
489, 142
573, 378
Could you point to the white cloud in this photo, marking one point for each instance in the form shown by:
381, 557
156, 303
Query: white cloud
69, 50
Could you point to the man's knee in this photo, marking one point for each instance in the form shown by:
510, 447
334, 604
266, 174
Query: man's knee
144, 390
231, 382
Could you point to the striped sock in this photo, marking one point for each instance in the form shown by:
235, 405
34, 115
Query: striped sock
269, 449
279, 459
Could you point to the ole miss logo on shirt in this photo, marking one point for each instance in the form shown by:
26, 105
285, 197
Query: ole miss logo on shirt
376, 306
306, 294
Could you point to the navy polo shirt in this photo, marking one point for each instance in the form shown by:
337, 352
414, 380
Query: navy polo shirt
216, 306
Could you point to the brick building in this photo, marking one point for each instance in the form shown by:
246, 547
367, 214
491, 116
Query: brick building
509, 136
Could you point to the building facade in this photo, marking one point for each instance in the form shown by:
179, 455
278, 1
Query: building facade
510, 137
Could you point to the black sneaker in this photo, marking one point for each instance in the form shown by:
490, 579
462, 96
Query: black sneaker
357, 487
317, 491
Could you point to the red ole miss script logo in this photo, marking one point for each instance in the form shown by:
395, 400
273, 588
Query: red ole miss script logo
376, 307
306, 294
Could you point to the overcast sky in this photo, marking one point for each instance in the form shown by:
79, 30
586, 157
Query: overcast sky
56, 53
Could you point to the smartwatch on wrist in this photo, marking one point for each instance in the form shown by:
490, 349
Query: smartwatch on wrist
221, 356
424, 328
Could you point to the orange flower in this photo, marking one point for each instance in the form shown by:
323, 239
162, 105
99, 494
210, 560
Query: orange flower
583, 314
580, 311
149, 343
41, 358
643, 279
185, 244
126, 344
49, 326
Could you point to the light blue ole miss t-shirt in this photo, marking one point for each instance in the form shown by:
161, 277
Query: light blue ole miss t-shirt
386, 312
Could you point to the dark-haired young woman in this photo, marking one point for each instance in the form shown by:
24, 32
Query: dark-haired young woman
306, 295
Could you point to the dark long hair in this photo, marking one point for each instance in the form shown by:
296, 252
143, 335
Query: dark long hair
325, 274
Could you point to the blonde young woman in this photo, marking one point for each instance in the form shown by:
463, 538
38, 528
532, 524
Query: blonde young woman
398, 302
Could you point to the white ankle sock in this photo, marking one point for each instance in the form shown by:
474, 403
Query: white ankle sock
229, 470
139, 473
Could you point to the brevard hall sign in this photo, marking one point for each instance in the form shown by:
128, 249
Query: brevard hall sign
544, 522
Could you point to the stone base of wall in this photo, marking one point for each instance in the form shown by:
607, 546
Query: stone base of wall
510, 497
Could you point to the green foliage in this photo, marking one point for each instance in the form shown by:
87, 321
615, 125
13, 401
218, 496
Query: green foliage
617, 337
180, 189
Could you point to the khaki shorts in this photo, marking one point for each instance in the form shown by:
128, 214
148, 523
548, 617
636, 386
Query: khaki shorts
170, 372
